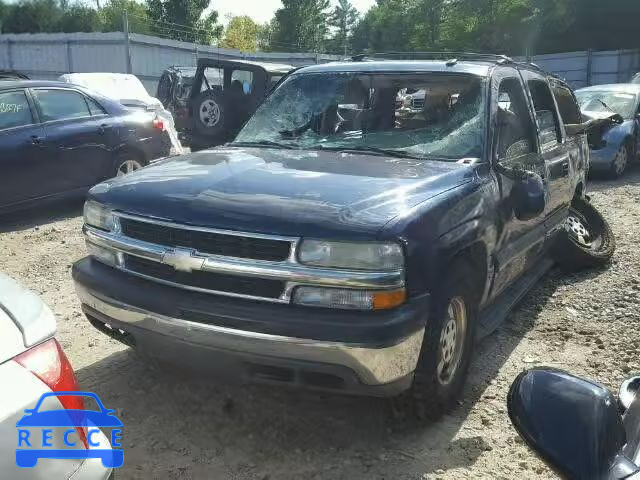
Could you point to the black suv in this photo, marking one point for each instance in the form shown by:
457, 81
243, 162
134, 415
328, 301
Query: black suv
210, 103
350, 239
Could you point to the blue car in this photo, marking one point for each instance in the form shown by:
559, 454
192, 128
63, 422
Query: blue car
111, 458
58, 140
618, 145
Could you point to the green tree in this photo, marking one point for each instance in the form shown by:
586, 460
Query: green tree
300, 25
33, 16
138, 15
387, 26
79, 18
3, 13
242, 33
343, 18
183, 20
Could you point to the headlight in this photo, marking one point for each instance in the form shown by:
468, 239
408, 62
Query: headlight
373, 256
98, 216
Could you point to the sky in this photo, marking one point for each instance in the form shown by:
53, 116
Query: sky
262, 10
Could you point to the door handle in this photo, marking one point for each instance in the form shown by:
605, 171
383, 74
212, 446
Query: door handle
36, 139
103, 128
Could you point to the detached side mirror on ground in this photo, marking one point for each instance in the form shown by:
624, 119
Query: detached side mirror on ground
573, 424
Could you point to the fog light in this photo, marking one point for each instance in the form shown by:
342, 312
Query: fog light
348, 299
104, 255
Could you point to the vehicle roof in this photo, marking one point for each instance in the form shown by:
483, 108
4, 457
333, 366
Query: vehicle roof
613, 87
10, 84
476, 67
267, 66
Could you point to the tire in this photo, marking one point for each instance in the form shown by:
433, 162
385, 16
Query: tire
620, 162
128, 162
435, 391
587, 241
209, 113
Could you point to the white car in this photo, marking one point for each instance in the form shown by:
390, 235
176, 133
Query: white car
33, 363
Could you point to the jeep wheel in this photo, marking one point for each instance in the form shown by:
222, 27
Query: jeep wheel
209, 113
587, 240
447, 349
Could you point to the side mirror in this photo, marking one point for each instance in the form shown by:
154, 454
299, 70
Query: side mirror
528, 194
574, 425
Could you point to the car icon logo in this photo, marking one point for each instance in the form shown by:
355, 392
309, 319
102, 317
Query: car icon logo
83, 423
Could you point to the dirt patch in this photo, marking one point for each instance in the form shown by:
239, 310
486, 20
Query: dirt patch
182, 426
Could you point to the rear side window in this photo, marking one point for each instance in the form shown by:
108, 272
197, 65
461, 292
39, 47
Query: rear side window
546, 113
14, 110
61, 104
242, 79
569, 109
94, 107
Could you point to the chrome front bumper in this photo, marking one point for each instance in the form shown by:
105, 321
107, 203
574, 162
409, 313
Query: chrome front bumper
373, 365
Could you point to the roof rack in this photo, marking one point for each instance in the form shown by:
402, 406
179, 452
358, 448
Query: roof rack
451, 57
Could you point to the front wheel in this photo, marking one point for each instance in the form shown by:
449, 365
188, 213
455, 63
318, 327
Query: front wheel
447, 349
587, 241
620, 162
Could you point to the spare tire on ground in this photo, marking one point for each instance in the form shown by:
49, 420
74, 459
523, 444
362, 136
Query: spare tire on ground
587, 240
209, 113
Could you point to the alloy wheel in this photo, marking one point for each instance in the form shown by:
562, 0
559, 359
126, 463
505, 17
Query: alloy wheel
128, 166
578, 230
209, 113
452, 339
620, 162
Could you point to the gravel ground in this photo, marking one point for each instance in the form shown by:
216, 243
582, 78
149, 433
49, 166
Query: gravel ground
182, 426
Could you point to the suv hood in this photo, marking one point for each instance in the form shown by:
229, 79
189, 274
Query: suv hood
285, 192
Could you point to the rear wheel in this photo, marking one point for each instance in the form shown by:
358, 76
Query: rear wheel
447, 349
587, 241
128, 164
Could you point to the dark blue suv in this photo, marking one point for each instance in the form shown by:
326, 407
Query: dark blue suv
369, 223
57, 139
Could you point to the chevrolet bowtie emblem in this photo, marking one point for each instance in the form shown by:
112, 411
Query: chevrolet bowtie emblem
183, 260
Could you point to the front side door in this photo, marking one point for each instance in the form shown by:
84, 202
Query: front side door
560, 157
515, 146
23, 161
78, 141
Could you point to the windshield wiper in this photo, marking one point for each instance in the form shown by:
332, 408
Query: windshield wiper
605, 105
263, 143
373, 150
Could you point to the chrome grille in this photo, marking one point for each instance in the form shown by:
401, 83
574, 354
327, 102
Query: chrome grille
202, 280
206, 241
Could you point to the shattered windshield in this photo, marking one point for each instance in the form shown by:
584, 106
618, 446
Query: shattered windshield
609, 101
429, 115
